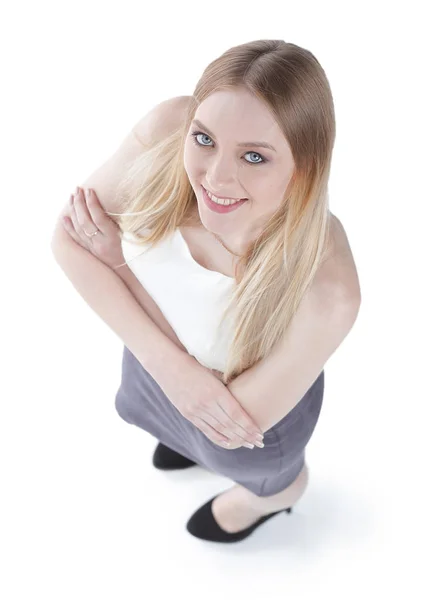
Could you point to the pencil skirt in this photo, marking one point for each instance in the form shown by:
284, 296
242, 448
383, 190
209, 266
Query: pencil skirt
264, 471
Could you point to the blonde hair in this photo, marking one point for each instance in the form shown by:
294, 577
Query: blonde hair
277, 269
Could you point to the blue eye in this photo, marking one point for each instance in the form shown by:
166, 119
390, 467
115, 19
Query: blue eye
197, 133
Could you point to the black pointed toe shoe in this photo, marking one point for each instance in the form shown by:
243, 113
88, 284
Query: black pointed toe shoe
166, 459
203, 525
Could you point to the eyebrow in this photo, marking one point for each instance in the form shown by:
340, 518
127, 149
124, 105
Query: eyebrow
242, 144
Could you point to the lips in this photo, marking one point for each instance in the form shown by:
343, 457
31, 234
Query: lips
223, 197
220, 208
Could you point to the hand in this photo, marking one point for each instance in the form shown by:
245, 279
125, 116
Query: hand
209, 405
87, 215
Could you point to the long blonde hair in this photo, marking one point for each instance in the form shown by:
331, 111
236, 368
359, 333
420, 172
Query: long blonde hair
278, 267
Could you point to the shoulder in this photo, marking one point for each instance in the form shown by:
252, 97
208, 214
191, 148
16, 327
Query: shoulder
173, 109
336, 285
162, 120
331, 305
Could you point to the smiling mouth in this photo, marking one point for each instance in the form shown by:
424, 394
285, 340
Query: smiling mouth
220, 208
223, 197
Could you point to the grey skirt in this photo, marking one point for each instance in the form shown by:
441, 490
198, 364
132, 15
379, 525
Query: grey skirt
264, 471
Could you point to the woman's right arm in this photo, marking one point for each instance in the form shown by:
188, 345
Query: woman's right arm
195, 392
108, 295
121, 301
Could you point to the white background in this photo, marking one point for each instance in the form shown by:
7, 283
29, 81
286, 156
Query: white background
84, 513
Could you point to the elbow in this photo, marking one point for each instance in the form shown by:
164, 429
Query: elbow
60, 239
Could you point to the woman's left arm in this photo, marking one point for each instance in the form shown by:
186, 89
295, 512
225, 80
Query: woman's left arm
273, 387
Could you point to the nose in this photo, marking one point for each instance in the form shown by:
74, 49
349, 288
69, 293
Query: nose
222, 173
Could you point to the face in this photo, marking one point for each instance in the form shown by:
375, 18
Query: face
220, 156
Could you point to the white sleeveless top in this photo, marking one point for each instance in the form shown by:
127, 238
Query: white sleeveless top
191, 297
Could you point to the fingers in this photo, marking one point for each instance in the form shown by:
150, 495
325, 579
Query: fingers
215, 437
68, 225
230, 426
83, 240
224, 432
88, 216
97, 214
232, 416
82, 221
210, 432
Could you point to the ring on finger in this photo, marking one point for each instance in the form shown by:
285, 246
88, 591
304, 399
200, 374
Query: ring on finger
91, 234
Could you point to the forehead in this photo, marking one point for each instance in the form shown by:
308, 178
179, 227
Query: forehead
240, 113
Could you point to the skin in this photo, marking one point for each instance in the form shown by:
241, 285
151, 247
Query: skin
219, 165
229, 171
236, 508
235, 116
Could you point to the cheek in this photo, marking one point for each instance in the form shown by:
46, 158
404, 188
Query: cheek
267, 193
192, 165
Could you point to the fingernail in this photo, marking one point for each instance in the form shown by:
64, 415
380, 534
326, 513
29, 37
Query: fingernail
248, 445
260, 444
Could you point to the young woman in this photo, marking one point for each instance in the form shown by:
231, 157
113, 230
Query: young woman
214, 214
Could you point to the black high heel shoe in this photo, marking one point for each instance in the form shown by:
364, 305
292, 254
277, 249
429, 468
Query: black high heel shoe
203, 525
166, 459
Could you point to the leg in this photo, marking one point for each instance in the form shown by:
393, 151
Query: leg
238, 507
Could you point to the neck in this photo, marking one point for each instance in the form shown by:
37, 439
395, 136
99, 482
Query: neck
233, 247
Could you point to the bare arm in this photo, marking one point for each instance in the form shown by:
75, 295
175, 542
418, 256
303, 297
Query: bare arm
108, 295
273, 387
158, 123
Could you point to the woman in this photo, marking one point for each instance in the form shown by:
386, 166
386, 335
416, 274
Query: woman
228, 201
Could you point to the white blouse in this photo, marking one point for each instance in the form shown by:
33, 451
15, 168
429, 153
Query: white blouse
191, 297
